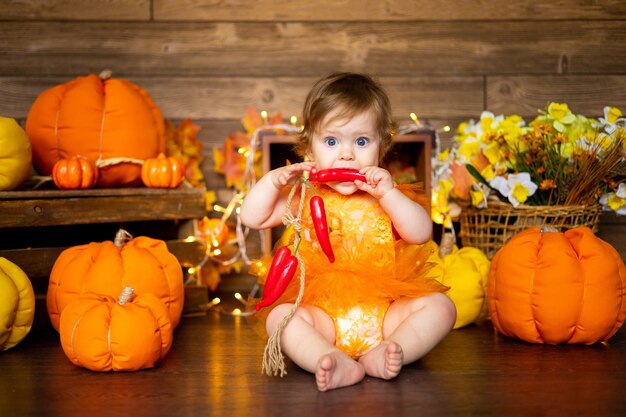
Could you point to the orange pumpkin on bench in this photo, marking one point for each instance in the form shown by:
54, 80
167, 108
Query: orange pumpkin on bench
108, 120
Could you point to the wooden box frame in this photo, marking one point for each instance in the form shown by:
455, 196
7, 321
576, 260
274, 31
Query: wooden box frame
417, 147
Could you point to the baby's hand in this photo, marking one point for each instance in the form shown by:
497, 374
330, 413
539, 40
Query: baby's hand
378, 181
287, 174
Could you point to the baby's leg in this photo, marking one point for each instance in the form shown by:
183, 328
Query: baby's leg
309, 340
412, 327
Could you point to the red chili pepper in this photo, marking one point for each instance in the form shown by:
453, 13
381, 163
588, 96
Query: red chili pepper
337, 175
281, 271
318, 214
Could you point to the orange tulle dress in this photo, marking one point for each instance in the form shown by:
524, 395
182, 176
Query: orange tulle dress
372, 269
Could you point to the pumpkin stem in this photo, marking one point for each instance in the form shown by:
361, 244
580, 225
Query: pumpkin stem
125, 296
447, 243
105, 74
121, 237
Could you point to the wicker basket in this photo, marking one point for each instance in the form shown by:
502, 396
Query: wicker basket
488, 229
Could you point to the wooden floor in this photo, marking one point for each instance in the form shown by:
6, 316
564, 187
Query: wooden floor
213, 369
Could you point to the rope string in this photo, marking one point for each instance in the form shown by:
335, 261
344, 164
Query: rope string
273, 359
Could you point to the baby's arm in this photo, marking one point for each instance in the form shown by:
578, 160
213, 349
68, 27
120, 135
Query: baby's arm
410, 220
264, 204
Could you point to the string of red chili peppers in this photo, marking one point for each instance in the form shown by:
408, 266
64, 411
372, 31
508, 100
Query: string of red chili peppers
284, 264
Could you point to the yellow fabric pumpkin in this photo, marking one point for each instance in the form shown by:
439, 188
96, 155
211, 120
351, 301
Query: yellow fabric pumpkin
466, 272
17, 304
15, 154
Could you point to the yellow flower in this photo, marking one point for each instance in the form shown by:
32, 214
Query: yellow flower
444, 155
615, 202
461, 128
558, 111
561, 115
493, 153
478, 198
612, 114
520, 192
445, 186
605, 141
469, 148
486, 120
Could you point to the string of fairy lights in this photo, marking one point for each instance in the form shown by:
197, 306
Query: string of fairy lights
233, 208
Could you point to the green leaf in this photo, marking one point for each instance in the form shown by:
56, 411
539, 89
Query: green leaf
474, 172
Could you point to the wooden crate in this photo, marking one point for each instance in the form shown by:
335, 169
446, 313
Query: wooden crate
412, 149
36, 226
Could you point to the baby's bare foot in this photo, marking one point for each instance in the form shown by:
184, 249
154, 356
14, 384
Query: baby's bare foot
336, 370
384, 361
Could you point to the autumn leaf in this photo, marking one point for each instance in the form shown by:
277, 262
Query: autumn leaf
182, 142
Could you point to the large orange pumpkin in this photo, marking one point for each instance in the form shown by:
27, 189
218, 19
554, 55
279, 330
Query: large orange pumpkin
102, 334
551, 287
108, 120
106, 268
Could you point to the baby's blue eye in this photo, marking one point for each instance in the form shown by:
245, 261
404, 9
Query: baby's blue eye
331, 141
362, 141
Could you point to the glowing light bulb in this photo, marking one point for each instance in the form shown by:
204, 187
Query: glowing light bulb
216, 301
217, 252
413, 117
446, 128
264, 116
191, 271
190, 239
293, 120
237, 312
240, 298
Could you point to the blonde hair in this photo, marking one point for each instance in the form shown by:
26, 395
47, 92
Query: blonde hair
351, 94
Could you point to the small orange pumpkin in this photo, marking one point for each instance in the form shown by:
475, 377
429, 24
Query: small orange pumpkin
102, 334
214, 231
105, 268
551, 287
162, 172
75, 173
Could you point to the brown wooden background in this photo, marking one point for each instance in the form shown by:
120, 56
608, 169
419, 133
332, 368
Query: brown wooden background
210, 59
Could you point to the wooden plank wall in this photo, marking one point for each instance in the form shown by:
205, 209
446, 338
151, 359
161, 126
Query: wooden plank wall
210, 59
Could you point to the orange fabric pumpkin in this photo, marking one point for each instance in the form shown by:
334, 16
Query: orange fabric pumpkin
108, 120
214, 231
102, 334
105, 268
162, 172
551, 287
75, 173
